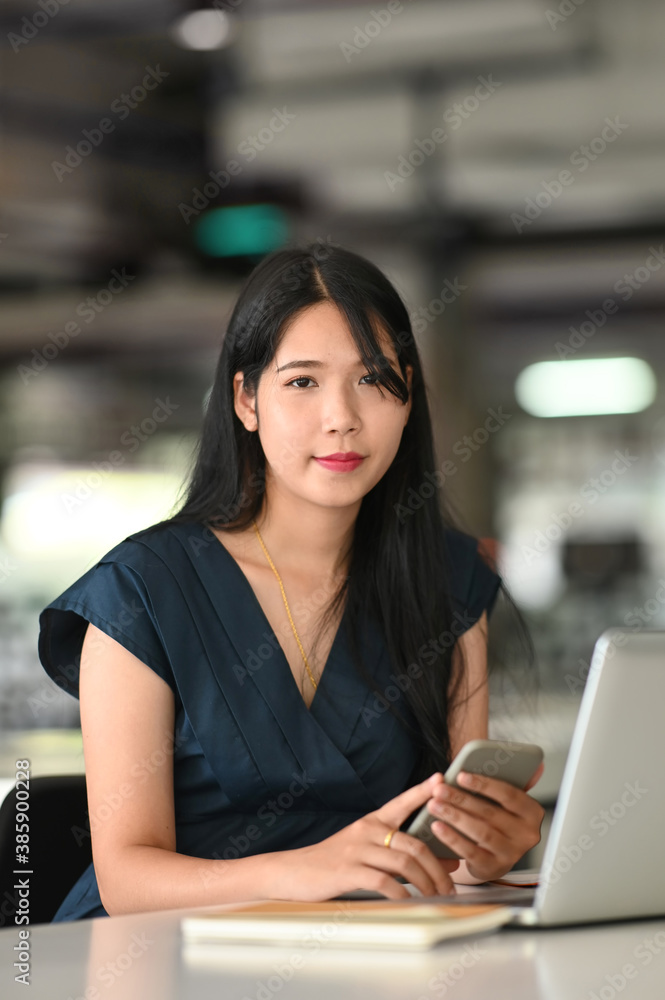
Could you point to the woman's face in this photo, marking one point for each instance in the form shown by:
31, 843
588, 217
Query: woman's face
316, 398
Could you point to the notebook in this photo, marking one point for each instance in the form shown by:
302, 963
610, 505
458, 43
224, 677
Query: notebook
401, 925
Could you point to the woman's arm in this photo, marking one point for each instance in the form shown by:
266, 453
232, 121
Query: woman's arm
469, 718
127, 721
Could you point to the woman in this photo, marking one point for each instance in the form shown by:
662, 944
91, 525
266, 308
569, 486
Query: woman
273, 679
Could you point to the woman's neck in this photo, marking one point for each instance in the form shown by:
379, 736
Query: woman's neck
306, 539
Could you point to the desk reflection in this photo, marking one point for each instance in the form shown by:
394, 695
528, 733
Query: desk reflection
143, 957
472, 967
133, 959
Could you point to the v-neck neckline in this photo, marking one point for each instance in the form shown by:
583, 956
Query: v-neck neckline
259, 609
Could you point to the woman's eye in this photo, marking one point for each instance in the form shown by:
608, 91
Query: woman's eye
305, 378
301, 378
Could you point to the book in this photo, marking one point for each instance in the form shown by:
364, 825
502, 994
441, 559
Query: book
403, 924
520, 878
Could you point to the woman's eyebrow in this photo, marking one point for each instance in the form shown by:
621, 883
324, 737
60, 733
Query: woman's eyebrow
314, 364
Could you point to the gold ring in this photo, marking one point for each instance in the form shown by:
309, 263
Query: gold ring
389, 836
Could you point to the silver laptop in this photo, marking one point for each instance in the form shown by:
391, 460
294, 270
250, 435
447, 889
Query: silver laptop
604, 854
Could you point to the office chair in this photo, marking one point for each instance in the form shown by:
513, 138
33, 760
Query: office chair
60, 848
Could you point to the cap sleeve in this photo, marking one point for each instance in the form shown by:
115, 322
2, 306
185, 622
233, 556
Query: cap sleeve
474, 584
113, 597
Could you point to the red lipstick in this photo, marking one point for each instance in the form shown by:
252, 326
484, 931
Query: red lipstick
341, 461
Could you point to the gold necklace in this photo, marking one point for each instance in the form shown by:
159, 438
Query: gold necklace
286, 605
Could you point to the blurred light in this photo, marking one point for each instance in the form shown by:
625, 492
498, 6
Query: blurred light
535, 583
203, 30
56, 512
241, 229
583, 388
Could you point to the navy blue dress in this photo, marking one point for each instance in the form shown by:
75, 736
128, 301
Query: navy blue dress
255, 769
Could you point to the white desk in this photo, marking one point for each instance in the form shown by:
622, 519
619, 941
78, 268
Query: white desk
563, 964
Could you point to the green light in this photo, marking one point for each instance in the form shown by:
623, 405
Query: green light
241, 229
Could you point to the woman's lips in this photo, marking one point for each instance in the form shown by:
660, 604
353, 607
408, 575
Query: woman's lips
340, 465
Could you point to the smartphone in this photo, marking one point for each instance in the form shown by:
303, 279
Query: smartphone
515, 763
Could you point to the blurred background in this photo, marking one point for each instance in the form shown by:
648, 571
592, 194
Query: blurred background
503, 161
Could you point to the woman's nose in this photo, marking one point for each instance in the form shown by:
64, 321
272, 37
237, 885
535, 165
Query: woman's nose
340, 412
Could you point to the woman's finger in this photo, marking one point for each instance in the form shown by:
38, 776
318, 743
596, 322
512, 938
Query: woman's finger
394, 812
435, 868
428, 879
481, 823
468, 849
514, 800
451, 804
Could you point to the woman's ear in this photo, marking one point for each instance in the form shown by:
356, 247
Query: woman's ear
244, 403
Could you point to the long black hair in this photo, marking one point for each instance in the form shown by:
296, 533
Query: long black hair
398, 573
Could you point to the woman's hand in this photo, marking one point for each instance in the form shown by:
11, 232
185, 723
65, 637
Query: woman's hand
357, 858
491, 835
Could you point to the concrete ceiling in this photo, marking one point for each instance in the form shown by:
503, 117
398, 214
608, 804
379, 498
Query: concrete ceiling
365, 97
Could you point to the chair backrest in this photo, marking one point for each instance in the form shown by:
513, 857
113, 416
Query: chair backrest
59, 847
